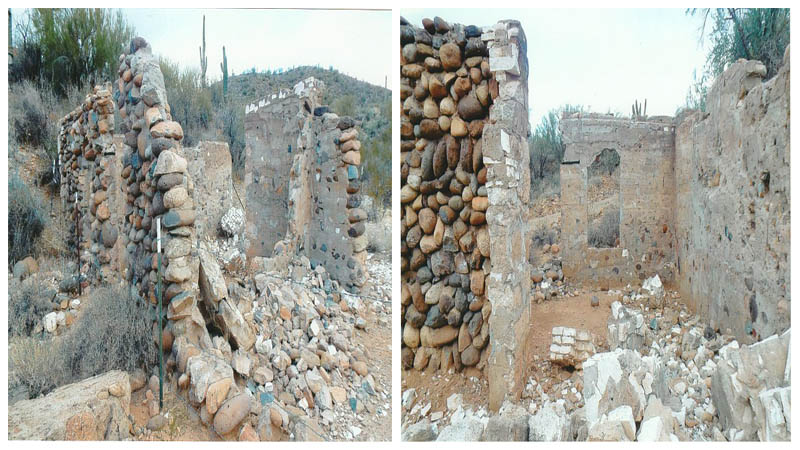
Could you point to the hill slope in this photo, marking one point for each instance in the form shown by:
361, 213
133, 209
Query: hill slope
346, 95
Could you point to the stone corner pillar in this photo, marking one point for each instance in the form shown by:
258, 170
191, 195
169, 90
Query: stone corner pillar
505, 154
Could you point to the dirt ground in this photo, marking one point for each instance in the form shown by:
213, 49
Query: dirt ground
377, 339
577, 312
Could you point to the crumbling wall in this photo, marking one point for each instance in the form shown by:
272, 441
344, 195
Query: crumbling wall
464, 174
210, 167
273, 129
646, 150
302, 183
88, 168
733, 203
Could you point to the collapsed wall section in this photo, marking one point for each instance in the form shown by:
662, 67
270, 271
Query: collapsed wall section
733, 202
646, 201
464, 175
302, 183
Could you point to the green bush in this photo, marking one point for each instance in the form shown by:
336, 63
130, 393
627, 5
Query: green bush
26, 219
77, 45
376, 157
115, 332
190, 103
230, 120
28, 302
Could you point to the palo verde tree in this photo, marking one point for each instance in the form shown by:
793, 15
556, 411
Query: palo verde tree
545, 144
78, 46
751, 33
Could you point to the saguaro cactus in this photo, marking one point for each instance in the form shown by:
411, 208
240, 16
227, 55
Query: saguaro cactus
636, 110
224, 67
203, 59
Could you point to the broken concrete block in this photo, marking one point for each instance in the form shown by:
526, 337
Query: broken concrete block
549, 424
570, 347
618, 425
626, 328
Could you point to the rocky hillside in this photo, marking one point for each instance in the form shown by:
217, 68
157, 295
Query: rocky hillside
371, 103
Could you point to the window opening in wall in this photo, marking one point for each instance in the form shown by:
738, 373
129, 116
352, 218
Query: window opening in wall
603, 200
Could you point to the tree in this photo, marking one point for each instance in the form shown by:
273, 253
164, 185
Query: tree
78, 46
751, 33
545, 145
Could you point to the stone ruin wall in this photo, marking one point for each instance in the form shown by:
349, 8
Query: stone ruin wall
705, 202
88, 167
125, 181
158, 187
465, 187
733, 202
646, 150
302, 183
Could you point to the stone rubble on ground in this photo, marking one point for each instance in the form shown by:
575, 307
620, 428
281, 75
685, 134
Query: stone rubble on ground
296, 352
664, 376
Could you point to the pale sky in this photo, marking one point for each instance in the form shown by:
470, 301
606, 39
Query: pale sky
357, 43
599, 58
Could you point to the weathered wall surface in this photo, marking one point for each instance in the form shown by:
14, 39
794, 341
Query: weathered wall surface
733, 203
506, 157
335, 235
647, 179
464, 126
302, 183
210, 168
272, 134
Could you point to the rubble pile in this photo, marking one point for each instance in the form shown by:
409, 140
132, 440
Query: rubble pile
665, 376
286, 354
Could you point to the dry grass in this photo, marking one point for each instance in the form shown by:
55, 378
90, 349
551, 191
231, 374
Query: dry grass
114, 332
605, 232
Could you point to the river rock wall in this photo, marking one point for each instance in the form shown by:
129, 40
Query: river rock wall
464, 126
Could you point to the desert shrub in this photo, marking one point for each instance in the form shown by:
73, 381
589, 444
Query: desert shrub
115, 332
26, 64
546, 186
344, 106
190, 103
28, 302
605, 232
376, 159
36, 364
29, 115
230, 120
379, 236
26, 219
77, 45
